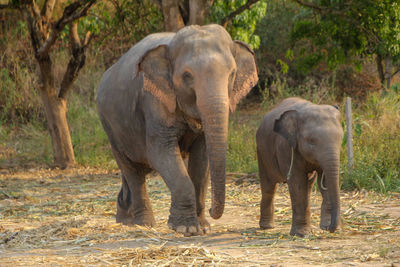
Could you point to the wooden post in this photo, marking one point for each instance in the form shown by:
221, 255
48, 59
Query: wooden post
349, 126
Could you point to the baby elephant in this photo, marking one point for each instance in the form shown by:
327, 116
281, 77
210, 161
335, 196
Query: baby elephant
296, 140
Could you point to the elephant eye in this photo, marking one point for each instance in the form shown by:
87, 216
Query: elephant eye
187, 78
232, 76
231, 79
311, 141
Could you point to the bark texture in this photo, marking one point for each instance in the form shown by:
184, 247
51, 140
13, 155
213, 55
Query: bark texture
173, 20
178, 13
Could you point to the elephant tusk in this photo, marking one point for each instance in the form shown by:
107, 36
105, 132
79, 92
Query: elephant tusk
289, 174
313, 175
322, 182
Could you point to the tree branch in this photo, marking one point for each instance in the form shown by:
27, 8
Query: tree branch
77, 61
72, 12
396, 71
32, 15
47, 9
224, 22
88, 37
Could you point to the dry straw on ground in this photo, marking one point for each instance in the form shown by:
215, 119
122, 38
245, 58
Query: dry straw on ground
66, 218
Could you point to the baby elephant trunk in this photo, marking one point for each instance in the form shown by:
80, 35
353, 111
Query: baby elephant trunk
331, 170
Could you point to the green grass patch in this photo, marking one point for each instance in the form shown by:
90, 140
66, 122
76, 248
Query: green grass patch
91, 146
376, 145
29, 144
241, 155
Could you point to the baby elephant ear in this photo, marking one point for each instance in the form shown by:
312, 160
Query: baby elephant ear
286, 126
155, 69
246, 73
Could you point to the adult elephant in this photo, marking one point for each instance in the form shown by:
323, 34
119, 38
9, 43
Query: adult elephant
167, 98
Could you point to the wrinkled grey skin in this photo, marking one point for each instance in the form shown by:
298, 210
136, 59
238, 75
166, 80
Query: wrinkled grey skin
315, 134
166, 99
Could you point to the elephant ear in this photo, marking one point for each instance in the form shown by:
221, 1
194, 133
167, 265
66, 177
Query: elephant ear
246, 73
155, 69
286, 126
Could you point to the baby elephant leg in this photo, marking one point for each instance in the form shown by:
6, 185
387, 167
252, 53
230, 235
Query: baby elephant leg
300, 190
268, 189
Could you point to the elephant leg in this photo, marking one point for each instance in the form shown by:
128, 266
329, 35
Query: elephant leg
133, 205
199, 173
325, 221
300, 190
268, 190
165, 157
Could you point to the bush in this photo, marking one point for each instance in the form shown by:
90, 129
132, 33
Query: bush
19, 102
376, 145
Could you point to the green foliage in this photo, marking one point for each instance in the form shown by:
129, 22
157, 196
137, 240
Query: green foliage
283, 66
344, 31
27, 144
18, 102
275, 55
376, 145
91, 146
241, 155
244, 24
30, 143
274, 28
126, 20
118, 24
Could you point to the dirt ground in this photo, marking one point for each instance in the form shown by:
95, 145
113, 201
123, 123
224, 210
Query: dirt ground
66, 218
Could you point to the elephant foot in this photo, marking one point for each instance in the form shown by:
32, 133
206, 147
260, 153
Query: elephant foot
127, 218
145, 220
204, 225
124, 216
267, 224
325, 220
188, 226
325, 223
300, 231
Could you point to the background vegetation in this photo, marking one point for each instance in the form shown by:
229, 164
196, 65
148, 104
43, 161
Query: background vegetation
301, 51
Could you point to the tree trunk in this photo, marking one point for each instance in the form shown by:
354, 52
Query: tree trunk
173, 20
44, 32
379, 66
177, 13
388, 71
56, 115
198, 10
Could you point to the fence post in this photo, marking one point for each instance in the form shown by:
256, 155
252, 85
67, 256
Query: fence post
349, 126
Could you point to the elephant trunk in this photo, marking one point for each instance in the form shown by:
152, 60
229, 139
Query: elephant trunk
215, 116
331, 169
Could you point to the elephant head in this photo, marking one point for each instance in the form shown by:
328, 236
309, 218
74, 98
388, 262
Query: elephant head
316, 133
204, 74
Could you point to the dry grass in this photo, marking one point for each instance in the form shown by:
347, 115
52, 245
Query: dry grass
151, 256
66, 218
